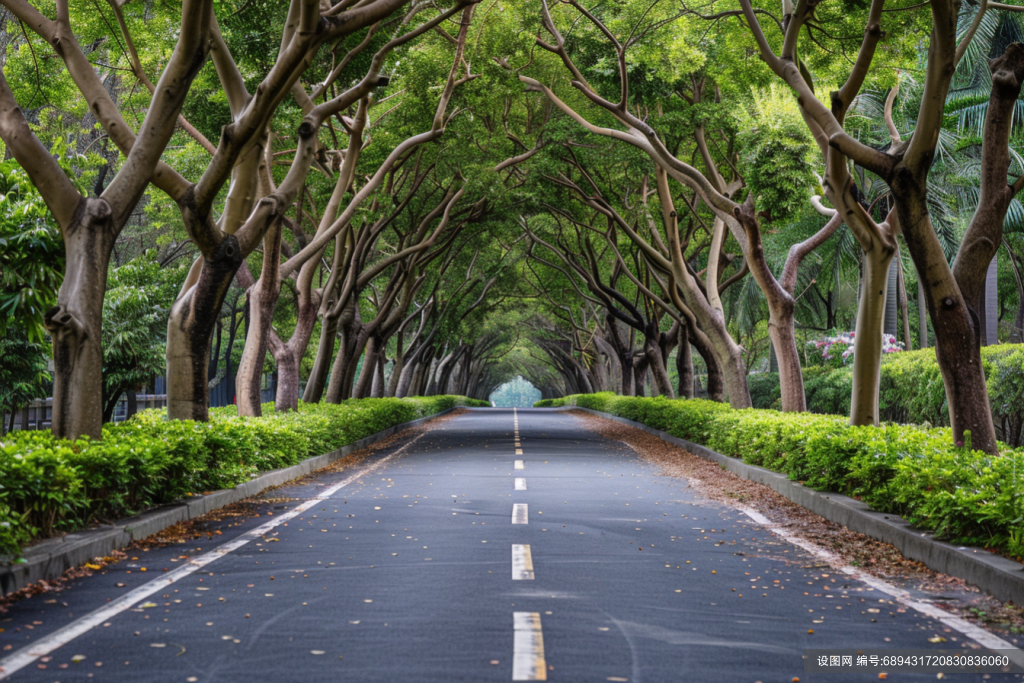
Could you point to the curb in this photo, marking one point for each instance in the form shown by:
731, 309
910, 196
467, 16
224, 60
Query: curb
1001, 577
50, 559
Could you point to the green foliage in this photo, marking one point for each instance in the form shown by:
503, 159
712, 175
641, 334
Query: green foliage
23, 373
765, 390
911, 389
135, 309
51, 485
962, 495
31, 255
778, 154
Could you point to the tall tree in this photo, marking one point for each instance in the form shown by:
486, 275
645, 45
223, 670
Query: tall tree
90, 225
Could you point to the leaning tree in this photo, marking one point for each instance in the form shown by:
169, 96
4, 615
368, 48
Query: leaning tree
953, 294
90, 225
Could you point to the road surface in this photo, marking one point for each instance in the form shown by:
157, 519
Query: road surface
499, 545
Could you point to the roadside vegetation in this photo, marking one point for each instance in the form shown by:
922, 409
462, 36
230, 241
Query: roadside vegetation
53, 486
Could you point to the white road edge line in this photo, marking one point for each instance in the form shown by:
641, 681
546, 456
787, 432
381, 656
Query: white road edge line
522, 563
62, 636
528, 662
520, 465
520, 484
520, 513
975, 633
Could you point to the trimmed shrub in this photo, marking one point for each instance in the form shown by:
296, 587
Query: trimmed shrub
51, 485
911, 389
962, 495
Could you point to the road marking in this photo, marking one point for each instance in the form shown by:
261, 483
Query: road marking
522, 563
520, 465
528, 654
520, 484
519, 451
975, 633
44, 646
520, 514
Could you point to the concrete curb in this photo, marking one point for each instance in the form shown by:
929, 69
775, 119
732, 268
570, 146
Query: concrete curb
50, 559
996, 575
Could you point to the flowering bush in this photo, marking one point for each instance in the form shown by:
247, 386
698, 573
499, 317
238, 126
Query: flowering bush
836, 351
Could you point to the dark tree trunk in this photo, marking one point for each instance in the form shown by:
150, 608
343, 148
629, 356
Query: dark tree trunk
340, 386
716, 378
371, 358
190, 329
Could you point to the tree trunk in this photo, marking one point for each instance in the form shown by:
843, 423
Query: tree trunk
411, 366
288, 356
904, 308
110, 404
287, 395
396, 368
988, 310
439, 376
716, 381
189, 330
197, 308
371, 358
340, 387
262, 295
922, 315
782, 331
417, 387
684, 364
639, 375
133, 404
322, 364
867, 356
661, 385
75, 325
891, 320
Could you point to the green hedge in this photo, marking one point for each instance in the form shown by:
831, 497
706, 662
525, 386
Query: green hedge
52, 485
911, 389
964, 496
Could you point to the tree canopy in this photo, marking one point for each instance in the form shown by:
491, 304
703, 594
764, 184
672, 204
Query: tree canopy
391, 198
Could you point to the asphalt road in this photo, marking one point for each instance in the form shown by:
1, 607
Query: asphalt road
416, 571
